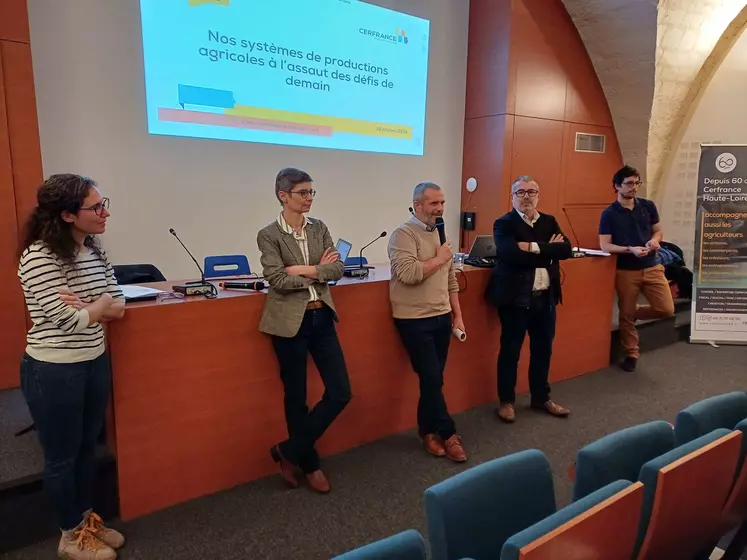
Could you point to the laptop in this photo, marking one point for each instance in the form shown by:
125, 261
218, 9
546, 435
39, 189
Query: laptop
483, 247
482, 254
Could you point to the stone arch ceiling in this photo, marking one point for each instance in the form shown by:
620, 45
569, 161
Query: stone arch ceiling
620, 37
647, 55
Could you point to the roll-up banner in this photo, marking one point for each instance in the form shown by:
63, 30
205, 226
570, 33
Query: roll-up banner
719, 311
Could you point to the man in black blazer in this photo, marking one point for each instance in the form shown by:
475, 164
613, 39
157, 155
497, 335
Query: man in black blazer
525, 288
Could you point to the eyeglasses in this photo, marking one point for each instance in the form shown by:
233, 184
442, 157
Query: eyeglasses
632, 183
531, 193
98, 208
305, 193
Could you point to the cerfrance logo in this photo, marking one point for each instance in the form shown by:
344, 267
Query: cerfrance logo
726, 162
399, 35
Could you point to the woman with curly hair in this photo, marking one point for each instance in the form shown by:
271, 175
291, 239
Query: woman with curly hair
70, 290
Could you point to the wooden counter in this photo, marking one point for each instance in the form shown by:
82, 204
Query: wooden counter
198, 401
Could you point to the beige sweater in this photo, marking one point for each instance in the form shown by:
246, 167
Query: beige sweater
412, 296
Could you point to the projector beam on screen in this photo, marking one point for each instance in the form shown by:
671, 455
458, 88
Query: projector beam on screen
230, 70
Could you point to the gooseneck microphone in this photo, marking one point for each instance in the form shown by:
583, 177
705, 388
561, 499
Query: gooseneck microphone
196, 288
360, 256
202, 272
577, 252
362, 271
441, 227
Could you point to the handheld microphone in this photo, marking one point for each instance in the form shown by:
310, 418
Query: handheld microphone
441, 227
202, 273
258, 285
578, 252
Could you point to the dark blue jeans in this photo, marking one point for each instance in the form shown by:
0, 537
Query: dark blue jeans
68, 404
427, 344
318, 337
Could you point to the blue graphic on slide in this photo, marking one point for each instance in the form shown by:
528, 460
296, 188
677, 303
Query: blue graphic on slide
332, 74
208, 97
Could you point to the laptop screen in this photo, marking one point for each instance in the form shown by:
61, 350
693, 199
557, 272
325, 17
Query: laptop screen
343, 247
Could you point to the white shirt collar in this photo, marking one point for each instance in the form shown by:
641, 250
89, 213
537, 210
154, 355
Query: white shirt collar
286, 227
526, 218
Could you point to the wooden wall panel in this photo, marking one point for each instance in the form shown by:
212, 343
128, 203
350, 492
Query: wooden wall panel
553, 94
582, 103
12, 311
23, 125
585, 222
14, 21
20, 172
541, 80
537, 150
489, 91
488, 147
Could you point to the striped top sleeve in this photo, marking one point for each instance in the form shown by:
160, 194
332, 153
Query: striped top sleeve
60, 333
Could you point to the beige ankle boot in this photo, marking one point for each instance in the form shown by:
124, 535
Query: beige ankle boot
110, 537
81, 544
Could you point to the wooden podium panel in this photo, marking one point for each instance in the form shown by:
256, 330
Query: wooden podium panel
198, 401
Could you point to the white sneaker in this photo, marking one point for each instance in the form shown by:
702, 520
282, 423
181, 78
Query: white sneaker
82, 544
110, 537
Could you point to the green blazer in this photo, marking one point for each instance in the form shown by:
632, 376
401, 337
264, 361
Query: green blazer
288, 295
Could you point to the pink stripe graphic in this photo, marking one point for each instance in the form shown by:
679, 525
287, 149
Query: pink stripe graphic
235, 121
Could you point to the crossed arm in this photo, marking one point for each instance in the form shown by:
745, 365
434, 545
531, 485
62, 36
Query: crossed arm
526, 254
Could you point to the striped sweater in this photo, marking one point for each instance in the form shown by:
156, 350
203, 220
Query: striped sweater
60, 333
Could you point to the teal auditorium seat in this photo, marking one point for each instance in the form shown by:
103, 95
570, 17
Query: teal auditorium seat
472, 514
408, 545
649, 476
514, 545
620, 456
702, 417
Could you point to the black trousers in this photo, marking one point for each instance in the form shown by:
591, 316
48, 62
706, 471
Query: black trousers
427, 344
538, 319
318, 337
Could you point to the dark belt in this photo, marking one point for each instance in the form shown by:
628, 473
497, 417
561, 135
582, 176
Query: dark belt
539, 293
318, 304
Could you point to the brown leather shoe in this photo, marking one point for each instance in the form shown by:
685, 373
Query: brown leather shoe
318, 482
506, 413
552, 409
433, 445
454, 449
287, 469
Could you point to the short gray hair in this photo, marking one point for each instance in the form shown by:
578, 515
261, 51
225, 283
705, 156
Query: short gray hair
288, 178
420, 188
522, 179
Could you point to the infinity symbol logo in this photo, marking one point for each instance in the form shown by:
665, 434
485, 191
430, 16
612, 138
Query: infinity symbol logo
726, 162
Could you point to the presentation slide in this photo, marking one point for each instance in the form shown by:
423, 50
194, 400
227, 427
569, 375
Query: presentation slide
338, 74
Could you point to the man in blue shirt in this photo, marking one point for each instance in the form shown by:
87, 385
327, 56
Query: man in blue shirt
630, 228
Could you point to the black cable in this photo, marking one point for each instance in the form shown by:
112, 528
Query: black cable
464, 276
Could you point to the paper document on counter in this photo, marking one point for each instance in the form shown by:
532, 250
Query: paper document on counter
593, 252
139, 292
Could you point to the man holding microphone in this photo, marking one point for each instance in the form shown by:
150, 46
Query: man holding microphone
425, 304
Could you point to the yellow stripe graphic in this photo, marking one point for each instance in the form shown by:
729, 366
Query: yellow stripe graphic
338, 124
194, 3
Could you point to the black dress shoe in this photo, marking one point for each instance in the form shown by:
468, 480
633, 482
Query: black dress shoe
629, 363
